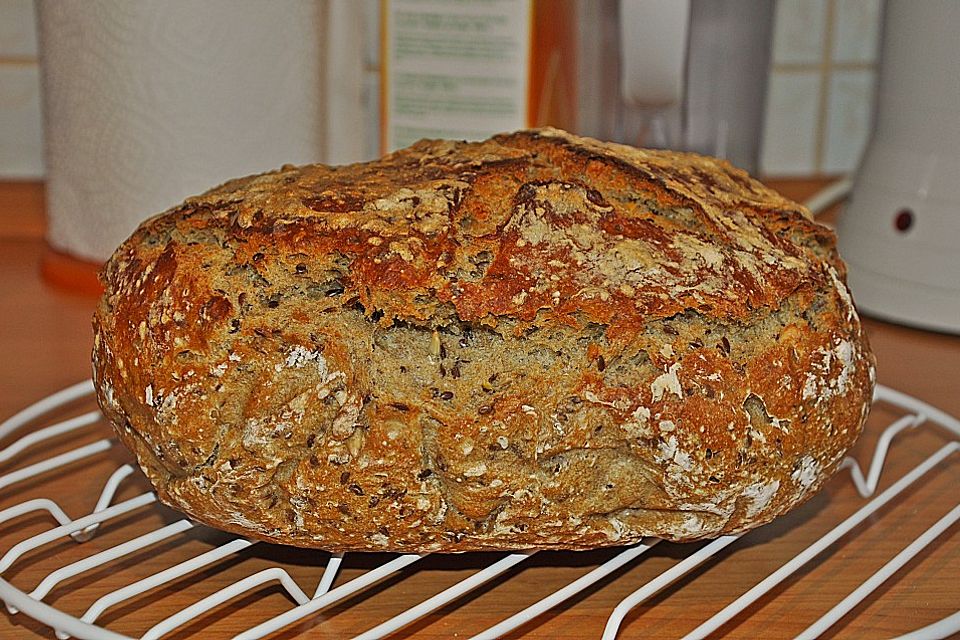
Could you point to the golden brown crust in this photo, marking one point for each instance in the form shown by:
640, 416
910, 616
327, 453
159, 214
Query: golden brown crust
539, 340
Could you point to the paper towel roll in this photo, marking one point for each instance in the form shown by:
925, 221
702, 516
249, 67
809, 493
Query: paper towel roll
148, 102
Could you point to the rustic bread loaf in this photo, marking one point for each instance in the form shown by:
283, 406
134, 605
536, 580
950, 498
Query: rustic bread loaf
536, 341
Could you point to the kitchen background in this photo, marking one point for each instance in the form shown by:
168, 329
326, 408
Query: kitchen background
818, 108
819, 89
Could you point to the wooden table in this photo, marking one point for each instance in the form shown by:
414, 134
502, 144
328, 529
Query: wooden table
45, 342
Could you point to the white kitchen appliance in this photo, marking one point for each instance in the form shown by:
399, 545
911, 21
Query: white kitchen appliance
900, 230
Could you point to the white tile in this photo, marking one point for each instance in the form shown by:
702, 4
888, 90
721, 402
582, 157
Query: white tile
856, 30
790, 126
849, 119
18, 31
798, 31
21, 139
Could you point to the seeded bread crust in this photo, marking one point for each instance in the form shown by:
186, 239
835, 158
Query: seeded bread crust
535, 341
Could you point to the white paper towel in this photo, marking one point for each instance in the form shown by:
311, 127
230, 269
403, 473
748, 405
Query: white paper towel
148, 102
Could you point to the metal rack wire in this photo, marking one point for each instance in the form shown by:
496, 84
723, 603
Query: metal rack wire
325, 595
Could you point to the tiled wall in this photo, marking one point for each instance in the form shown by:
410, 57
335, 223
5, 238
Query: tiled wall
820, 97
21, 145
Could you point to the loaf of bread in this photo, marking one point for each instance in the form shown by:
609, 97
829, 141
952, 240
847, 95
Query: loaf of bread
535, 341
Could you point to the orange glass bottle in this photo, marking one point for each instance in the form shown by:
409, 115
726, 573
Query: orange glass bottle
553, 65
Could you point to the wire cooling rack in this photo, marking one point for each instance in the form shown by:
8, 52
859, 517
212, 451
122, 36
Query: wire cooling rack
45, 427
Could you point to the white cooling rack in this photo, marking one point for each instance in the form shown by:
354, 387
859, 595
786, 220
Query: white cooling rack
914, 413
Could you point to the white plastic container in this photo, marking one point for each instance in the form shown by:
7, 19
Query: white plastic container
900, 232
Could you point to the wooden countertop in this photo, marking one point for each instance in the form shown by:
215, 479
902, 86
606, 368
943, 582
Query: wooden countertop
45, 341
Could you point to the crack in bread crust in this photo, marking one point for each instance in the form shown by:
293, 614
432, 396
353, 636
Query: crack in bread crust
536, 341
